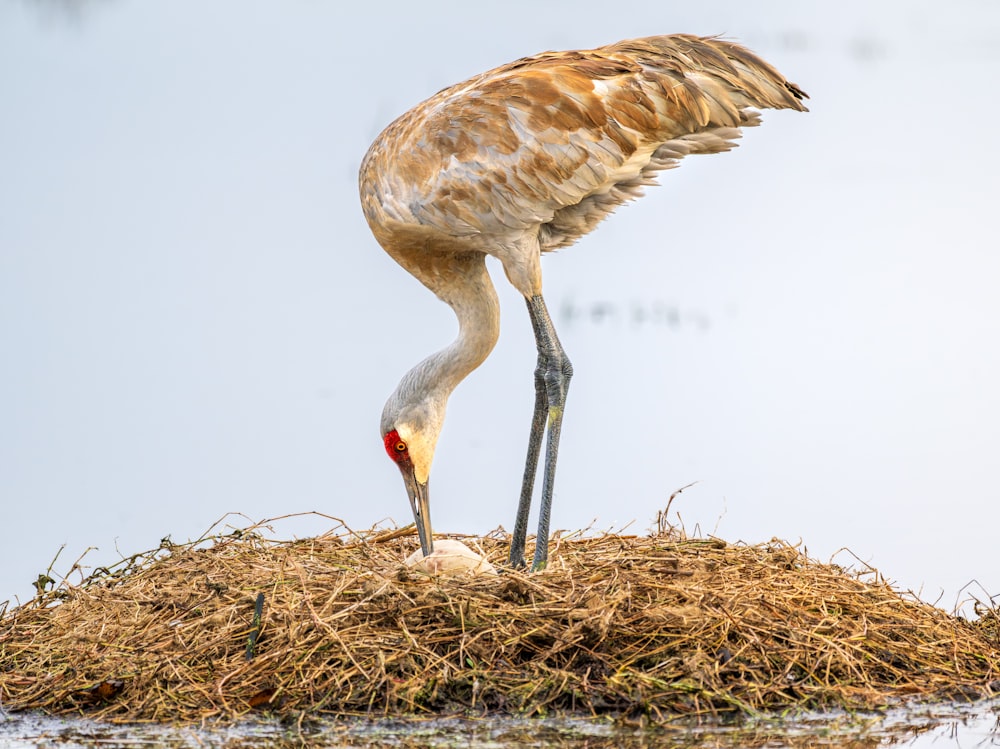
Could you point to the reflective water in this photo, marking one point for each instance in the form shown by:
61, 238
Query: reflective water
939, 726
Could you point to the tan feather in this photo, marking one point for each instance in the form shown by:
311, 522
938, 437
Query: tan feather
551, 144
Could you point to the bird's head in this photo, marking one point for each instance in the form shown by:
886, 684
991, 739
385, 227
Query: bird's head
410, 434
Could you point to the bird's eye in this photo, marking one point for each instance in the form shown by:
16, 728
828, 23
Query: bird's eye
396, 446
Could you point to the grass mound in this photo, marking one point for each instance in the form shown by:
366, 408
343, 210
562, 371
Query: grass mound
659, 626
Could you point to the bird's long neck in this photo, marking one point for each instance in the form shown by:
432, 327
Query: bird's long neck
461, 280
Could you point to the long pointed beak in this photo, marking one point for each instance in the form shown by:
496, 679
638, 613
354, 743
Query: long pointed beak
420, 503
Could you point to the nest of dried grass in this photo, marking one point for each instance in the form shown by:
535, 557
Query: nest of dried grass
659, 626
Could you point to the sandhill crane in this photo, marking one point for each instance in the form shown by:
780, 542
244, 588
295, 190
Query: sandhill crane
522, 160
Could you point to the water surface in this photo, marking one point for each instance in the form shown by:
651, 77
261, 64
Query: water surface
939, 726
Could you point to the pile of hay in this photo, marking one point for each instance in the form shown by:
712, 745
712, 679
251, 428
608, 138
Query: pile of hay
658, 626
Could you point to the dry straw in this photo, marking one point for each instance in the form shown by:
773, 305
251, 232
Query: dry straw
657, 627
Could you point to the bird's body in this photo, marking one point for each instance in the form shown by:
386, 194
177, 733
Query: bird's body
521, 160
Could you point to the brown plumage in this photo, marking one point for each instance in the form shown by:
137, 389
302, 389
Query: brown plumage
521, 160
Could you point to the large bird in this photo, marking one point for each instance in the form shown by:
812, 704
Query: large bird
526, 159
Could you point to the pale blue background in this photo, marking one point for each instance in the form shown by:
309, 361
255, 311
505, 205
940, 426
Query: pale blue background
195, 320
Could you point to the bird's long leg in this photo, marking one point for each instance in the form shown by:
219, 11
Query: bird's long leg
552, 377
530, 465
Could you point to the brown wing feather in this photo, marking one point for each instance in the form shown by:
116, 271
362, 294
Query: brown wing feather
552, 143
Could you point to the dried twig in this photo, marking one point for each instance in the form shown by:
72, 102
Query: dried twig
663, 626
